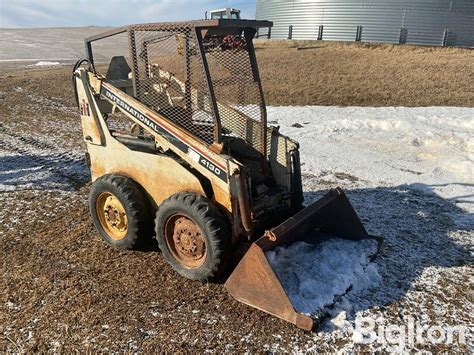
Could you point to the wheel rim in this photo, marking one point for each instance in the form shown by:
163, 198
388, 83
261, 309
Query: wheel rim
112, 215
185, 241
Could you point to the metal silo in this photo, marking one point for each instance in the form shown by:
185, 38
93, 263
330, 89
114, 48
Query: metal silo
427, 22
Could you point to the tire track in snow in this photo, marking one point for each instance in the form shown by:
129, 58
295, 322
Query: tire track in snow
30, 163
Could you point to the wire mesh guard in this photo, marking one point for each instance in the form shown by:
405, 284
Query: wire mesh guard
169, 67
237, 88
106, 50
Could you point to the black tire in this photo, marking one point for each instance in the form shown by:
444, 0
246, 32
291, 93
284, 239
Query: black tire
210, 222
138, 217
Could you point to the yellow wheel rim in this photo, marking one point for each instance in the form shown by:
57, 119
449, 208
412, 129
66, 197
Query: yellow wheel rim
112, 216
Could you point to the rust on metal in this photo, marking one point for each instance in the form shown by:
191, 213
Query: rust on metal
185, 241
332, 214
161, 176
270, 235
245, 213
91, 125
254, 282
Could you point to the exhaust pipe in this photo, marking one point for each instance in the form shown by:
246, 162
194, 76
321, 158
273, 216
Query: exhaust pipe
244, 206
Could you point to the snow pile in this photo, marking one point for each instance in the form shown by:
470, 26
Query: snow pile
315, 275
46, 64
429, 146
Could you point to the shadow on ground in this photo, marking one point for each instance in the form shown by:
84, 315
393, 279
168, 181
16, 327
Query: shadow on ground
421, 230
41, 172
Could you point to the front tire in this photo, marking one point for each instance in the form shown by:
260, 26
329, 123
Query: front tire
119, 211
193, 236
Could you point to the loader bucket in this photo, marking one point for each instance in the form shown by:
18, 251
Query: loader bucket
255, 283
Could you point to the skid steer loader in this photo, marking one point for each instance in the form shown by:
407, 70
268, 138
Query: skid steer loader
195, 159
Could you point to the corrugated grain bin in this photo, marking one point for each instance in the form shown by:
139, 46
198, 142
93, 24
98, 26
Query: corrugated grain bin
425, 22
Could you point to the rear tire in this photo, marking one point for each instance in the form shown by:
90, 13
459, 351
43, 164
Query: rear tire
120, 212
193, 236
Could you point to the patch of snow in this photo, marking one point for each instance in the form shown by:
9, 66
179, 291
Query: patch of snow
46, 64
429, 146
246, 338
149, 333
37, 163
409, 174
314, 275
13, 60
11, 305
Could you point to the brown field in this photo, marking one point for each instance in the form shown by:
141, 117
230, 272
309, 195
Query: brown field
342, 74
63, 289
350, 74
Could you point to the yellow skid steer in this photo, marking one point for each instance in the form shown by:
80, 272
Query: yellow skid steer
178, 147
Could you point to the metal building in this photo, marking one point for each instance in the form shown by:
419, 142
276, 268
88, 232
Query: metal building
427, 22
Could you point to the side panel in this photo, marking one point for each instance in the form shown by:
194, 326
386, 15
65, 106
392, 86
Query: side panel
159, 175
210, 164
279, 148
91, 127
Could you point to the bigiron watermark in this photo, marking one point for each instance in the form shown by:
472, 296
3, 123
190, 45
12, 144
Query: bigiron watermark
369, 330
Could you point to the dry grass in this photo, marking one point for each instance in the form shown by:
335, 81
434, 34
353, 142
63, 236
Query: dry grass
342, 74
352, 74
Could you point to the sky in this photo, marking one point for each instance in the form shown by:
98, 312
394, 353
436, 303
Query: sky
71, 13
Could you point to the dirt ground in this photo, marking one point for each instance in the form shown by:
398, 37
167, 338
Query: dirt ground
64, 289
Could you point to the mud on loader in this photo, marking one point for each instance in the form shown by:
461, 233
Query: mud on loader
196, 160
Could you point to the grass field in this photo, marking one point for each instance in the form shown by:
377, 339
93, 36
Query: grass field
350, 74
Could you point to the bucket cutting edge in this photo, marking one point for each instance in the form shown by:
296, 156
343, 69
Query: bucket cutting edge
255, 283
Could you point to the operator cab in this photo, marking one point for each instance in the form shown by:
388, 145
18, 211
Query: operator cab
227, 13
